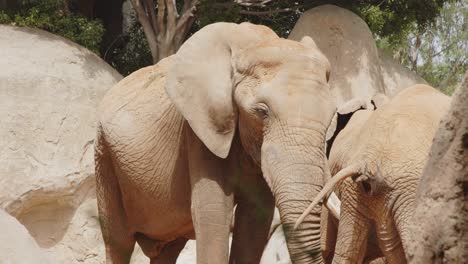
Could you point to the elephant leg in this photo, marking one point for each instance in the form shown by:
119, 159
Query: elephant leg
353, 230
373, 252
389, 239
254, 214
328, 233
212, 202
118, 240
170, 252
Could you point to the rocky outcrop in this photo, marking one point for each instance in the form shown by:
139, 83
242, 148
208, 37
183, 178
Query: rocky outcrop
16, 244
276, 250
347, 42
49, 89
359, 70
440, 220
396, 76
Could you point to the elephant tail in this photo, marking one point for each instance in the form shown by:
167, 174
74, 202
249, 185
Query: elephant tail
349, 171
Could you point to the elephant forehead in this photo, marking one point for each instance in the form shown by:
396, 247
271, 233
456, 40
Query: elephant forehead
272, 54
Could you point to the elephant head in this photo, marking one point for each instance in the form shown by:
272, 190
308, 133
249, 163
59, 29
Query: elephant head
243, 79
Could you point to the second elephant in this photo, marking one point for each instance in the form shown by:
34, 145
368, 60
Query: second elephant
377, 161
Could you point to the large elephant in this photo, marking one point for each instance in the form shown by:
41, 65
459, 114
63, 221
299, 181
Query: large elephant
377, 161
237, 116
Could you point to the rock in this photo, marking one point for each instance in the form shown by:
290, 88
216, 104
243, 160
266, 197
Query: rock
396, 77
276, 250
49, 89
347, 42
16, 244
82, 240
440, 226
275, 222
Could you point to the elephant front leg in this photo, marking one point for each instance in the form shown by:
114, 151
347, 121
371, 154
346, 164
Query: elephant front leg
328, 233
351, 243
254, 213
118, 239
212, 202
389, 239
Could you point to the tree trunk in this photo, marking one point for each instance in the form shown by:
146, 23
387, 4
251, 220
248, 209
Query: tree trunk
439, 226
415, 53
164, 28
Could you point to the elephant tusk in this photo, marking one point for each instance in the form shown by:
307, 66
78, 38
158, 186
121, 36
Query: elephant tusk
334, 204
340, 176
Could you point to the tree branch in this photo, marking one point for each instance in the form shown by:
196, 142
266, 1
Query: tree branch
452, 72
161, 14
258, 3
147, 28
150, 13
266, 13
185, 22
188, 4
186, 15
171, 19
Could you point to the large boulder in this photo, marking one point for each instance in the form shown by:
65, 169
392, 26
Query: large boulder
396, 76
16, 244
359, 69
347, 42
49, 89
276, 250
440, 218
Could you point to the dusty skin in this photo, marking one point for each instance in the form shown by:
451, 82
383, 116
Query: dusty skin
184, 140
377, 161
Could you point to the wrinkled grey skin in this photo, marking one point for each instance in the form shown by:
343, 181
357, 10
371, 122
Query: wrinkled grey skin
237, 116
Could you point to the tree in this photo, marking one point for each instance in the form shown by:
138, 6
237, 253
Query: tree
55, 16
164, 28
165, 25
437, 53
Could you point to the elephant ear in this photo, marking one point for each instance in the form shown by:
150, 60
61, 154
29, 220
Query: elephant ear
309, 42
200, 80
341, 119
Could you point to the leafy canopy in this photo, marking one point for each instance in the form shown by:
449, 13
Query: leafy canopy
53, 16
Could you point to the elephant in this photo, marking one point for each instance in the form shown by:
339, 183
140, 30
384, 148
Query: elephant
238, 116
377, 161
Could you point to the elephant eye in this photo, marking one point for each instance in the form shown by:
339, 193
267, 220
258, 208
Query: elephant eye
261, 110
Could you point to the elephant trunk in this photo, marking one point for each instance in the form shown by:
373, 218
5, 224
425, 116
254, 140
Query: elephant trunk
303, 242
294, 172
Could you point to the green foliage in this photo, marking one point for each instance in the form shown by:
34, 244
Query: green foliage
386, 18
438, 53
132, 54
212, 11
395, 24
53, 16
393, 17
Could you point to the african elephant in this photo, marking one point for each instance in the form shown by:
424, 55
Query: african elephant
237, 116
377, 161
